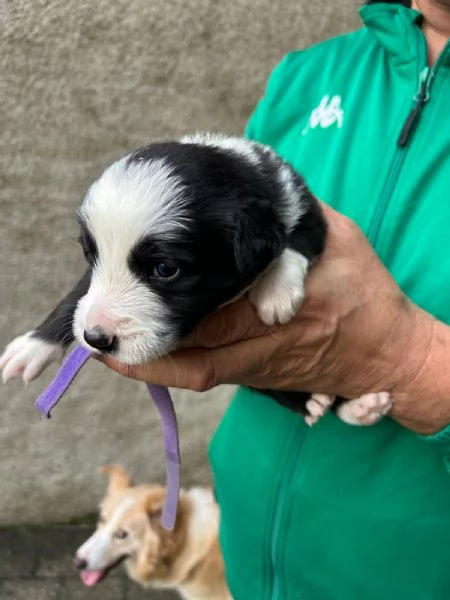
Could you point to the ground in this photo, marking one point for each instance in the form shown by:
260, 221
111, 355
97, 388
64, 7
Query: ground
36, 564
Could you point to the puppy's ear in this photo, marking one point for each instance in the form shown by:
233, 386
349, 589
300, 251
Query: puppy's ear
119, 479
256, 243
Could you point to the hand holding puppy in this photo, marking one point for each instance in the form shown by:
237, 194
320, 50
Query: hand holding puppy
355, 333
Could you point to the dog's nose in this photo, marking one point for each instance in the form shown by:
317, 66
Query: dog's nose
100, 340
80, 563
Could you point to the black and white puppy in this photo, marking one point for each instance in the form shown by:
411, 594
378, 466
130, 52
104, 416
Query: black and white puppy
172, 232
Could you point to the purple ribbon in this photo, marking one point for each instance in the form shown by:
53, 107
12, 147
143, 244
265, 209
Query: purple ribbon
163, 402
64, 377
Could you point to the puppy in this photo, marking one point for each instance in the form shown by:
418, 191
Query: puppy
129, 532
172, 232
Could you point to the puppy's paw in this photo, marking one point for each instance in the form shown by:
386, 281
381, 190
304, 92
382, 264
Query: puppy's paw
279, 292
366, 410
276, 306
28, 356
317, 406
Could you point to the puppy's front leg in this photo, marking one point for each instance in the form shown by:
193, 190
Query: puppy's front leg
279, 292
29, 354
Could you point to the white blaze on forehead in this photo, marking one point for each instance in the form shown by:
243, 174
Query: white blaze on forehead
131, 200
119, 513
96, 549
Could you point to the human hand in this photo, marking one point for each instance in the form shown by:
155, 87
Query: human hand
355, 333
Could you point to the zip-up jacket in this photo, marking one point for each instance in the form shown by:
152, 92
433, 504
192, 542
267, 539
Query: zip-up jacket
337, 512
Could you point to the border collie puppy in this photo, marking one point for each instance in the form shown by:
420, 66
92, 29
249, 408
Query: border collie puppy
172, 232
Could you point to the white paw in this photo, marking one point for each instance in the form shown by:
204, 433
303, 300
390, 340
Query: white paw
317, 406
279, 292
28, 356
366, 410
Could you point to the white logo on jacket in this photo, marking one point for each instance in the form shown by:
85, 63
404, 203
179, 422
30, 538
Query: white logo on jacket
326, 114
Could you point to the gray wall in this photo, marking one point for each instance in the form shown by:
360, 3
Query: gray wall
82, 82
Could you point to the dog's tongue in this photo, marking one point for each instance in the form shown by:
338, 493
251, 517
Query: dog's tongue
91, 578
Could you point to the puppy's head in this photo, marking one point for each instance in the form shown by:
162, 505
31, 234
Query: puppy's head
172, 232
129, 531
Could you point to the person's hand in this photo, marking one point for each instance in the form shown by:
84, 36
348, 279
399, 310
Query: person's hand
355, 333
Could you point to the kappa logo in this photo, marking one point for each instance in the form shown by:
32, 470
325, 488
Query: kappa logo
326, 114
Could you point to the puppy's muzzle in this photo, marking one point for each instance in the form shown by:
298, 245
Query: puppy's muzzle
101, 340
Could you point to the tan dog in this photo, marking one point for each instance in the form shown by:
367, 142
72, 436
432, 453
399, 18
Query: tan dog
129, 531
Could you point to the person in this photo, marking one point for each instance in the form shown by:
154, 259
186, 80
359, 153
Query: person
338, 512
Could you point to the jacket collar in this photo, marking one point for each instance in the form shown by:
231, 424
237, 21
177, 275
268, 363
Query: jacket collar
397, 28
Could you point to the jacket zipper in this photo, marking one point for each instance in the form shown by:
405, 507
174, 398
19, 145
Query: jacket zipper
281, 494
419, 100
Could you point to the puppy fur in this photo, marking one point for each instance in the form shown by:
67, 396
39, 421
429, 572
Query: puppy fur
129, 532
170, 233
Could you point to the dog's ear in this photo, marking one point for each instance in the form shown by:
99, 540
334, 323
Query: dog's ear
153, 504
256, 242
119, 479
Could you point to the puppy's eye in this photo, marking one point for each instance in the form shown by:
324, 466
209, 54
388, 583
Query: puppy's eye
165, 271
89, 256
120, 534
88, 247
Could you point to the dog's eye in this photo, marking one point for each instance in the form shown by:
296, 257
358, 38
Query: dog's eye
89, 256
121, 534
165, 271
88, 247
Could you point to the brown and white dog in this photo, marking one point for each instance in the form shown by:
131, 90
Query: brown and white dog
129, 531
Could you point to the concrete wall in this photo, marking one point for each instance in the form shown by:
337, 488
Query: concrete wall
82, 82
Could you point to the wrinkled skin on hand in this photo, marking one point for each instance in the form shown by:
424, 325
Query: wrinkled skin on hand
355, 333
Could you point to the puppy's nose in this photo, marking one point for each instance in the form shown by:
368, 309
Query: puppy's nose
100, 340
80, 563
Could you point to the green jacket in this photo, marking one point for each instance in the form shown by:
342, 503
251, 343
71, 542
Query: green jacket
339, 512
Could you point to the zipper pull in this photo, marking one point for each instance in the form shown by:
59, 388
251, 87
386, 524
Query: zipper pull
422, 96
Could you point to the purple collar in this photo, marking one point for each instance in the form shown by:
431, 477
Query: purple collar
163, 402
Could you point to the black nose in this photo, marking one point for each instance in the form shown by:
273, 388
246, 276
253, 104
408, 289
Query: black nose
79, 563
99, 339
